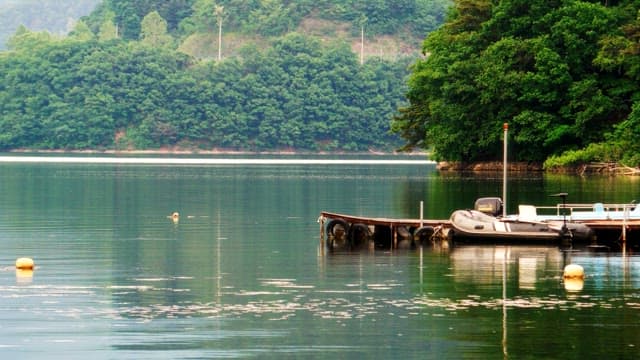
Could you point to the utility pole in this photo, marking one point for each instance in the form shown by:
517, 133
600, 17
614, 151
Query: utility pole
362, 21
362, 44
219, 12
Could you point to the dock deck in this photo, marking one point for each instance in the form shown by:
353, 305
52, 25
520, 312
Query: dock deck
383, 221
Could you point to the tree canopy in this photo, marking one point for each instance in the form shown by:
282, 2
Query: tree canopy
119, 81
92, 94
274, 17
562, 73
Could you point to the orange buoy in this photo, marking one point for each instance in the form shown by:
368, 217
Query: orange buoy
24, 263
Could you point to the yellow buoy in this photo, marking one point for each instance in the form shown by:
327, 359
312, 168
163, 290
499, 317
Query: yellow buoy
573, 271
573, 277
573, 284
24, 264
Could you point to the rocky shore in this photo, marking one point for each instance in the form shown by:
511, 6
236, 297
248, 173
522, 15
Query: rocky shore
488, 166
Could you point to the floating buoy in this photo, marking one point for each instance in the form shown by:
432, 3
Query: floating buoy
24, 264
573, 284
573, 271
175, 216
573, 277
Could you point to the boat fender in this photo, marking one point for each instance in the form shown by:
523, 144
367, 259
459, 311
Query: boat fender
331, 226
403, 233
358, 234
423, 234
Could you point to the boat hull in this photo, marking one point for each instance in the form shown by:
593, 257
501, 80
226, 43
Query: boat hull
475, 225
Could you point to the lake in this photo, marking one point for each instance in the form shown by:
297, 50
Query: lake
240, 274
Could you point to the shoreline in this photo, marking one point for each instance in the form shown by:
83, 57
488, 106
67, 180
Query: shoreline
607, 169
212, 152
490, 166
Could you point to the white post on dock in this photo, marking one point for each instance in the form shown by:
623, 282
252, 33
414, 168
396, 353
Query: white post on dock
624, 229
322, 244
421, 213
505, 127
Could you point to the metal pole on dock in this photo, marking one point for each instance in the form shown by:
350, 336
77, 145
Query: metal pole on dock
421, 213
505, 127
624, 229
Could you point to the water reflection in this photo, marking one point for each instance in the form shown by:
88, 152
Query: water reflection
24, 276
484, 264
495, 287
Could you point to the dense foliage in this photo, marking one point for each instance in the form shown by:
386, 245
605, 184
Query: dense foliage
117, 80
564, 74
87, 94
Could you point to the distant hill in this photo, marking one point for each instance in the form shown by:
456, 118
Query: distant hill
392, 29
153, 74
55, 16
398, 34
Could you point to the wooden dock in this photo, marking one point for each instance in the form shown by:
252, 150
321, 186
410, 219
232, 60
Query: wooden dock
393, 233
388, 232
383, 221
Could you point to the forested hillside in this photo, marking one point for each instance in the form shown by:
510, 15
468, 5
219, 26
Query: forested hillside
130, 77
564, 74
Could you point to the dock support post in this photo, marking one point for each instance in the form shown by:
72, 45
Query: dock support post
394, 233
421, 267
322, 243
624, 236
421, 213
624, 229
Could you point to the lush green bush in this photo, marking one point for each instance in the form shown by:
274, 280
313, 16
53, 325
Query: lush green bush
597, 152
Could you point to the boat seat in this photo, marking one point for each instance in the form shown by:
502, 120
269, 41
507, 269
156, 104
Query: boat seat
634, 213
527, 213
597, 212
598, 208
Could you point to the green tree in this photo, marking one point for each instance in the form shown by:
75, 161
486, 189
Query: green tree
108, 31
81, 32
532, 64
154, 30
27, 40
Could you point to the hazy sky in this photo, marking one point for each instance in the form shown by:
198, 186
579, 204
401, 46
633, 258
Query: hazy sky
52, 15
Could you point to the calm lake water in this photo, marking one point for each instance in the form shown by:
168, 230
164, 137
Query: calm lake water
241, 274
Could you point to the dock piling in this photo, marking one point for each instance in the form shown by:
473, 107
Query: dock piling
322, 239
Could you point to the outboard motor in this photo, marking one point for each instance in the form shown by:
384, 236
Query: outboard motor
489, 205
